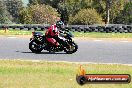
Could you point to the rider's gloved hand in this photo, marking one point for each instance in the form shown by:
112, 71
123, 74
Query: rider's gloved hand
56, 36
54, 31
61, 31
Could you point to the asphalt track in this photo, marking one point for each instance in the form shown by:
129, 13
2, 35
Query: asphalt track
98, 51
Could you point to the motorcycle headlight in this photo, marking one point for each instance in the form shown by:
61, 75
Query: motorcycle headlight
73, 39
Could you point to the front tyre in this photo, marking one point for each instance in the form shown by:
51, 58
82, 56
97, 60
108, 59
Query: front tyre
72, 48
35, 48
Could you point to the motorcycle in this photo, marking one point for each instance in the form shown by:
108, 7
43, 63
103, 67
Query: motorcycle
38, 42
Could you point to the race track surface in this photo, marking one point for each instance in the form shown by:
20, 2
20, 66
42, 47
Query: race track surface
98, 51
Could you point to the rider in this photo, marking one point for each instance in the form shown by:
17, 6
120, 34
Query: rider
53, 32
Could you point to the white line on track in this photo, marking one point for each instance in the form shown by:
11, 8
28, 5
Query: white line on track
98, 40
124, 41
12, 37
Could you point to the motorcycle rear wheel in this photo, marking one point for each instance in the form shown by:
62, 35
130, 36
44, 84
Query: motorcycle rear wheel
35, 48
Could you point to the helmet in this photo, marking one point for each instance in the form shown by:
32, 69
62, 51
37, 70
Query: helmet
59, 24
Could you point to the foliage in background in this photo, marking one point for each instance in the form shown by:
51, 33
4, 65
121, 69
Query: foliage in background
115, 8
44, 14
13, 7
70, 8
25, 16
52, 3
39, 14
86, 16
5, 16
67, 10
126, 15
100, 6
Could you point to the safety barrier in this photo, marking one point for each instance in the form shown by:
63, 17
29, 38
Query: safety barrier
120, 28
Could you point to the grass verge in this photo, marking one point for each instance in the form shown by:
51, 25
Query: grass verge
27, 74
103, 35
15, 32
77, 34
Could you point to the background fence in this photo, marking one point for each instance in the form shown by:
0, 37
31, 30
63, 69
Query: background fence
120, 28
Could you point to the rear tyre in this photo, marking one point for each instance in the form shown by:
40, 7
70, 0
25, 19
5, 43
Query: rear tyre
72, 48
35, 48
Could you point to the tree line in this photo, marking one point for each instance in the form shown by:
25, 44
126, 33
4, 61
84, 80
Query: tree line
69, 11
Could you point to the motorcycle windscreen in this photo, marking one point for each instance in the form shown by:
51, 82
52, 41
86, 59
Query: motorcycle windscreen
70, 34
38, 33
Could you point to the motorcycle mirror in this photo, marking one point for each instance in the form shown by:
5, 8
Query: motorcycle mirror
33, 33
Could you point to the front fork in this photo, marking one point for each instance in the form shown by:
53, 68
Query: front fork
31, 39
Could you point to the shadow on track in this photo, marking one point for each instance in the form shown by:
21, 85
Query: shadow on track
45, 53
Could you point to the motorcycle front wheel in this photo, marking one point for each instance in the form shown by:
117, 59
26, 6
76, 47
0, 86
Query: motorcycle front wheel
35, 48
72, 48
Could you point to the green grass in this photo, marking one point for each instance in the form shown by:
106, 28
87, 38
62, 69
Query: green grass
76, 34
15, 32
27, 74
103, 35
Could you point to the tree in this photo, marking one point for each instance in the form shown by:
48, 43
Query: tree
66, 7
44, 14
86, 16
4, 14
53, 3
125, 17
127, 13
109, 9
69, 8
33, 2
13, 7
25, 16
116, 7
39, 14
